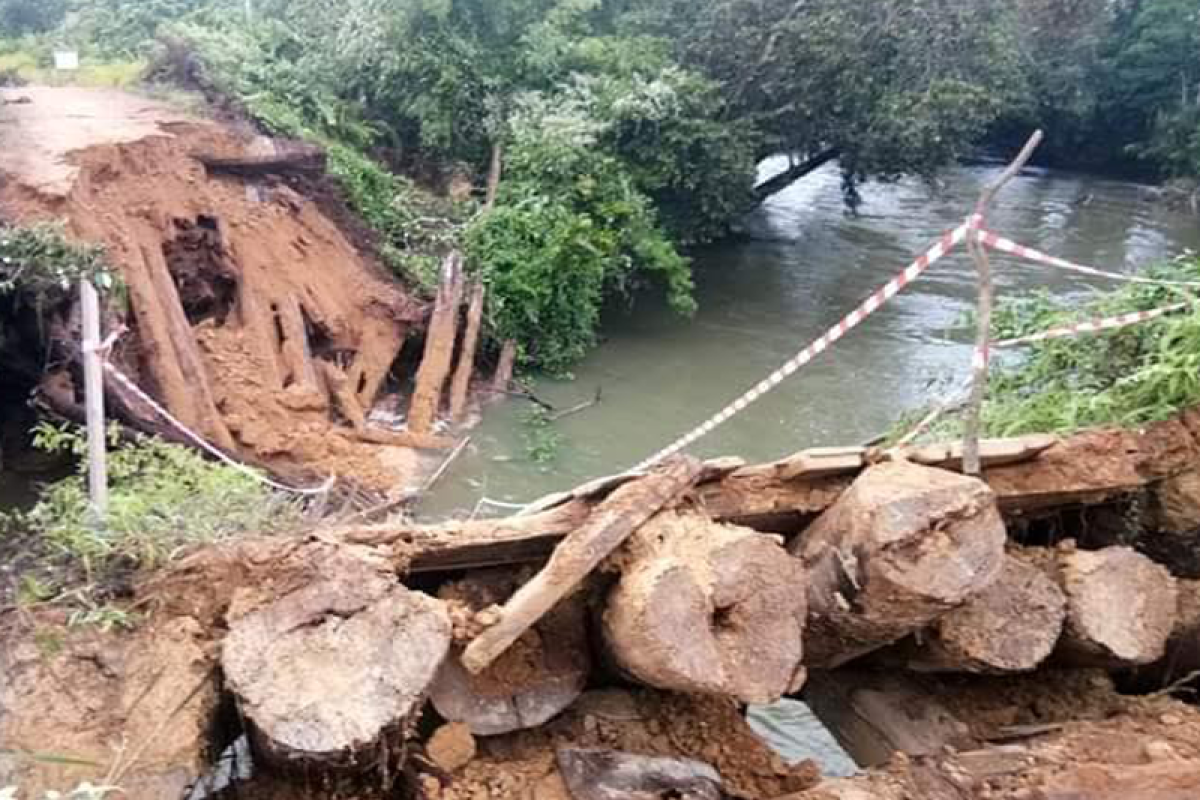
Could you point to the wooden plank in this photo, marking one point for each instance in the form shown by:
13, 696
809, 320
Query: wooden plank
876, 715
610, 524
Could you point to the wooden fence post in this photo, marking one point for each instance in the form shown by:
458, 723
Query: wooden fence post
93, 380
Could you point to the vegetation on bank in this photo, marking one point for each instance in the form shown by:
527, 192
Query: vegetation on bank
1127, 377
629, 130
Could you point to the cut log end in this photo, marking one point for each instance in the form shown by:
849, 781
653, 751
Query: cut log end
902, 547
710, 609
1121, 607
1012, 626
324, 673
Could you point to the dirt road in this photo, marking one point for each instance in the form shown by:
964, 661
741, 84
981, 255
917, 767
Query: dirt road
40, 126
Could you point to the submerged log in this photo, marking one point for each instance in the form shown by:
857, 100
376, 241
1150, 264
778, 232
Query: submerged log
1011, 626
533, 681
1121, 607
439, 348
709, 608
904, 546
609, 525
321, 675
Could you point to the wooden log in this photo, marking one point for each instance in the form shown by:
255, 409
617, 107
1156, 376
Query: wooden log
609, 525
187, 353
157, 348
461, 383
322, 674
343, 394
904, 546
417, 441
1011, 626
439, 348
533, 681
1121, 607
504, 369
875, 715
1175, 520
708, 608
295, 349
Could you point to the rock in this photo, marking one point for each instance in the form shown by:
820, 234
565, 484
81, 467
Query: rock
451, 747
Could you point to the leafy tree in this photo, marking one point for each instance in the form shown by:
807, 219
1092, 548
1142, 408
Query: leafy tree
19, 17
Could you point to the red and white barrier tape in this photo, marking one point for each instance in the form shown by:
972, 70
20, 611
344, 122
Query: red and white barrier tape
997, 242
203, 444
1095, 325
844, 326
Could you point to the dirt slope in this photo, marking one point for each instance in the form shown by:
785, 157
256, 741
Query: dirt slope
248, 307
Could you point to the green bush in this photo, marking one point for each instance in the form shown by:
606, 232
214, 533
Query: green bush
571, 228
1126, 377
162, 498
40, 261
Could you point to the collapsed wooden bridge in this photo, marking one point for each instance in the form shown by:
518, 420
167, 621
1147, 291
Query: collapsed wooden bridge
716, 580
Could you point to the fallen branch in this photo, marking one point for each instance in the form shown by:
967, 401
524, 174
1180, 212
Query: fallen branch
567, 412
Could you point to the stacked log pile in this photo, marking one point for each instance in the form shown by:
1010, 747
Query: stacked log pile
815, 577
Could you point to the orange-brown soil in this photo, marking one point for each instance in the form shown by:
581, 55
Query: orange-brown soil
245, 300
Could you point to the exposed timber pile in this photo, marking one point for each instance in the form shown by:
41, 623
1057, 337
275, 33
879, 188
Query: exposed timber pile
960, 637
256, 315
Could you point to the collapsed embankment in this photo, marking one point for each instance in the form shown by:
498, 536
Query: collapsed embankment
251, 314
960, 637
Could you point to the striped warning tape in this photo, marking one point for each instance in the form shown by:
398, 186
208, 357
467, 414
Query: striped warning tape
844, 326
1004, 245
203, 444
1095, 325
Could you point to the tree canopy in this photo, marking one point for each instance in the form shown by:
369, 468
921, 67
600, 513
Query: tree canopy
629, 130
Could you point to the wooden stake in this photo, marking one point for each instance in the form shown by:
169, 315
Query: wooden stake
466, 360
986, 303
93, 376
439, 348
504, 370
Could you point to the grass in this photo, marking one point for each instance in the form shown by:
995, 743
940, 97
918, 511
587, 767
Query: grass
163, 499
32, 68
1128, 377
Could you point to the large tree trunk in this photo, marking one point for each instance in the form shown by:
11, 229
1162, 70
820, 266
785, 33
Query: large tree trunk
709, 608
1011, 626
793, 173
902, 547
324, 673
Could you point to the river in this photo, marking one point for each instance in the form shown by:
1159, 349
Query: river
803, 264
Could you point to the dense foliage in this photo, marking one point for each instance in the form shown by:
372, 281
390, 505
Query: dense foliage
1113, 82
630, 129
39, 262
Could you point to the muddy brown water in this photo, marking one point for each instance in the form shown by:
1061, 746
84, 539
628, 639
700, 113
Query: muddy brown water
804, 264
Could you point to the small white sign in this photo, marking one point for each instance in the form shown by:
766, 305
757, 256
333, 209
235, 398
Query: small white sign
66, 60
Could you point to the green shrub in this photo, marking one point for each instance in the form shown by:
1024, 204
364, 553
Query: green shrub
162, 498
1127, 377
40, 261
